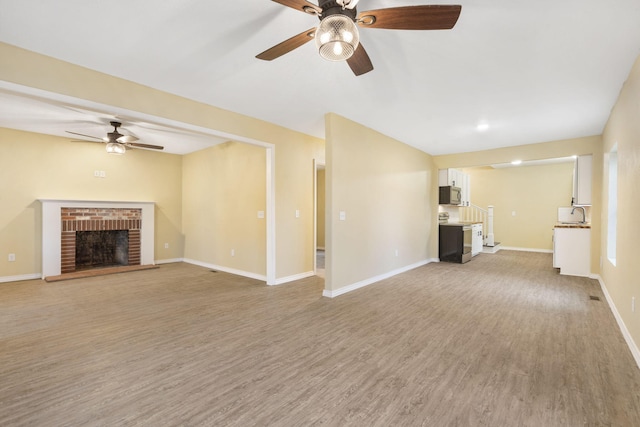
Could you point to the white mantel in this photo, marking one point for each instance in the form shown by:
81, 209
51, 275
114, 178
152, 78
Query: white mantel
52, 229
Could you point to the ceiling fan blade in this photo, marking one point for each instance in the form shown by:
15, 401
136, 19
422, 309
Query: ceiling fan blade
301, 5
84, 140
359, 62
125, 139
150, 146
82, 134
287, 45
428, 17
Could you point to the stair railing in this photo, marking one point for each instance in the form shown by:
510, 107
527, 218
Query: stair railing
474, 213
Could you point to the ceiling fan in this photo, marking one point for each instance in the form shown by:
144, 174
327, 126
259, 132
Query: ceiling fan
337, 35
118, 143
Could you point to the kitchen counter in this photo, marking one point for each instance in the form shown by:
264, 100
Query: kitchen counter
461, 223
572, 225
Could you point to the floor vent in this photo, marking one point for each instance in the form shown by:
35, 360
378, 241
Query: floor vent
594, 298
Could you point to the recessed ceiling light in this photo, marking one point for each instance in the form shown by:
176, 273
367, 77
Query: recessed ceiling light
482, 127
516, 162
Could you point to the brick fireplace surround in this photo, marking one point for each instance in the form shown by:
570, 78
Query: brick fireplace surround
62, 218
97, 219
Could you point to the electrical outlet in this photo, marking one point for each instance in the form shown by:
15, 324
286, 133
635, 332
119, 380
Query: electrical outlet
297, 213
11, 257
96, 173
103, 174
166, 246
233, 252
260, 214
396, 252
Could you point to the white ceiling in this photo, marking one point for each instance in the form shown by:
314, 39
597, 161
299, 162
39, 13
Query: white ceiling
533, 71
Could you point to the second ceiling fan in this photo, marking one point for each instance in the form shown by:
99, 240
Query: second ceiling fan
337, 35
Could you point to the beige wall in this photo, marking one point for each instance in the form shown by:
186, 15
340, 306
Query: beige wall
35, 166
294, 152
320, 220
544, 150
623, 128
223, 189
387, 190
534, 193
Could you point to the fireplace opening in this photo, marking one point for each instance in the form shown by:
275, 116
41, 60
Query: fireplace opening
100, 249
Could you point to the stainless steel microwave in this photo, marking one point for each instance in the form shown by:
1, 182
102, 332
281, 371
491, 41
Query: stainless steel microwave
450, 195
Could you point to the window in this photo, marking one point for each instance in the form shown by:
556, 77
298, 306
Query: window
612, 208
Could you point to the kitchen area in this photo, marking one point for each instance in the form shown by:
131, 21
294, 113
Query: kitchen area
540, 206
459, 240
572, 231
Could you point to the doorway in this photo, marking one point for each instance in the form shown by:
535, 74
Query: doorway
319, 219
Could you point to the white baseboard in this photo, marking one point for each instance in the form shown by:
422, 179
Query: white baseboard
623, 328
361, 284
168, 261
20, 278
294, 277
512, 248
226, 269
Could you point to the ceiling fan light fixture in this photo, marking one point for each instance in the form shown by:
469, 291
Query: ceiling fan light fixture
337, 37
115, 148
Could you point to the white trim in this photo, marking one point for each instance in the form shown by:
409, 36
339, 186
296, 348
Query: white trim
226, 269
511, 248
361, 284
316, 167
20, 278
168, 261
271, 214
294, 277
635, 352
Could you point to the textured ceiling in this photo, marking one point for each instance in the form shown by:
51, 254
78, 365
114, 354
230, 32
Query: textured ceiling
532, 71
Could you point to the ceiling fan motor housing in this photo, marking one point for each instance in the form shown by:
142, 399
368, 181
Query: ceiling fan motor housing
331, 7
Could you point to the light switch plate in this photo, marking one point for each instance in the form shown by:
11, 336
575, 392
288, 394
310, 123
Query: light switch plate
260, 214
343, 216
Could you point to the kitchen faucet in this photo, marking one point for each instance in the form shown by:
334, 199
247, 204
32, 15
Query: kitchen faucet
584, 216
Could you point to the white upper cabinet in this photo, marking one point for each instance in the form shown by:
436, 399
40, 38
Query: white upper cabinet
456, 178
582, 180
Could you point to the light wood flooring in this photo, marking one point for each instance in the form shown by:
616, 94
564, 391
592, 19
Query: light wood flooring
500, 341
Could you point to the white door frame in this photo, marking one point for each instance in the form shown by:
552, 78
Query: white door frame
316, 166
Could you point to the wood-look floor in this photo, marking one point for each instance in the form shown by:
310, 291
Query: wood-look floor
500, 341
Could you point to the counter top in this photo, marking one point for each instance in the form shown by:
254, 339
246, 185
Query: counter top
460, 223
572, 225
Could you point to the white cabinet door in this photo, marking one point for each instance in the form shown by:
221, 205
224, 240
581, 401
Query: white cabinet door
466, 189
572, 251
476, 242
582, 180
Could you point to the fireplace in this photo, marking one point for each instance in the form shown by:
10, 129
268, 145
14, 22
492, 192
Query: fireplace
80, 235
90, 237
100, 249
